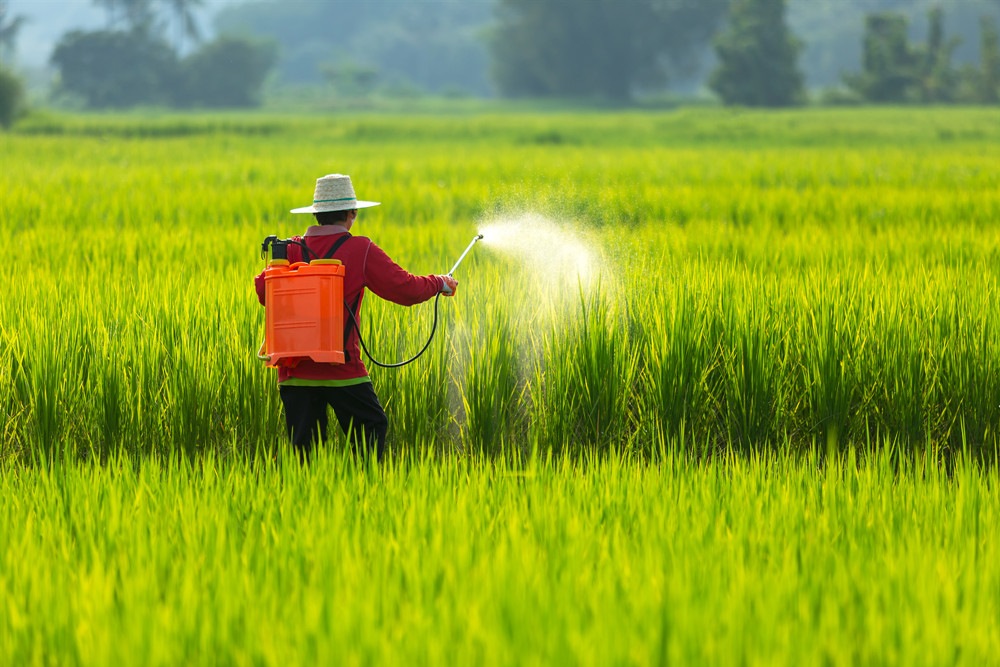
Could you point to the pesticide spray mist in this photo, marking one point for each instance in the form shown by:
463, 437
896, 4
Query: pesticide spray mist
545, 271
551, 259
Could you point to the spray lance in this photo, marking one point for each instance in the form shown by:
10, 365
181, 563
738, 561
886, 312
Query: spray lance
477, 237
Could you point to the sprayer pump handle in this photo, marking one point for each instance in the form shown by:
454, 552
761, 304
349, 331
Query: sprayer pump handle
266, 244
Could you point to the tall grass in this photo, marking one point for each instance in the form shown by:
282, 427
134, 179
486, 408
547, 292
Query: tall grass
492, 416
752, 286
723, 444
755, 559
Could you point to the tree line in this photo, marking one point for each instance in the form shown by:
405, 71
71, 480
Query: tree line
899, 71
607, 50
11, 89
597, 49
132, 62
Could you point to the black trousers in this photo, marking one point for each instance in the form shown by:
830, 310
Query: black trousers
357, 408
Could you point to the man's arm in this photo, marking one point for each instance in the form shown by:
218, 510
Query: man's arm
393, 283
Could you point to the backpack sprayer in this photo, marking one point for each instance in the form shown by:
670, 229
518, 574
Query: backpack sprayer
304, 307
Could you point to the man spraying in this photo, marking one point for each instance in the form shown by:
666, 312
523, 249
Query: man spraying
307, 388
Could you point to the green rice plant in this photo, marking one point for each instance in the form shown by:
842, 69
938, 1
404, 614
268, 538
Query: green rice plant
968, 376
582, 391
904, 387
768, 435
13, 389
751, 400
414, 396
763, 558
830, 342
43, 391
680, 339
770, 279
490, 389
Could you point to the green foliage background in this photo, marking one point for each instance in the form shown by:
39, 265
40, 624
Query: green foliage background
227, 72
758, 57
445, 49
11, 98
817, 278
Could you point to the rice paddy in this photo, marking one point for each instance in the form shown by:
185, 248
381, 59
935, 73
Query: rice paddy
717, 387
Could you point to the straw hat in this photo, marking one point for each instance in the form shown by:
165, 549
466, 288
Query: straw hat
334, 192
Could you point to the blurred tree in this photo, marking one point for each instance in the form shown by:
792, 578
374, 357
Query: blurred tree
183, 11
600, 48
938, 79
142, 15
113, 68
833, 31
890, 67
11, 97
9, 29
227, 72
758, 57
431, 45
895, 71
989, 61
350, 79
132, 14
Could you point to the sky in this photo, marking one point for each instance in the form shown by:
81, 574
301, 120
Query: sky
48, 20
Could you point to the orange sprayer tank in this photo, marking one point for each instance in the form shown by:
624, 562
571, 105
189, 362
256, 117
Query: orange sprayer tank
304, 312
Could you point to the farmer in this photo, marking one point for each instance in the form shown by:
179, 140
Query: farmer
309, 387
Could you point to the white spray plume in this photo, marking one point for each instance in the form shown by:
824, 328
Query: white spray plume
553, 254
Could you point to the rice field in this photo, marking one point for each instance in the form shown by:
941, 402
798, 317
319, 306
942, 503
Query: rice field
718, 387
731, 561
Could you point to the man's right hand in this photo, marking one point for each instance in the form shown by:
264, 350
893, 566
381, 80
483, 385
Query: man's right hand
449, 285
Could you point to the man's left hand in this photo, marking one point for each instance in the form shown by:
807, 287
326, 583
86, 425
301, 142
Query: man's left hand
448, 285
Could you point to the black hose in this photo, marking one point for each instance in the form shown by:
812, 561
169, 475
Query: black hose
400, 363
306, 252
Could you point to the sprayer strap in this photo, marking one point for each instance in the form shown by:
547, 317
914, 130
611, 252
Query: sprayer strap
336, 246
350, 320
308, 255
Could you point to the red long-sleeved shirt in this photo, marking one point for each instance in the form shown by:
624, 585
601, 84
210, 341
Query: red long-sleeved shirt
365, 265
